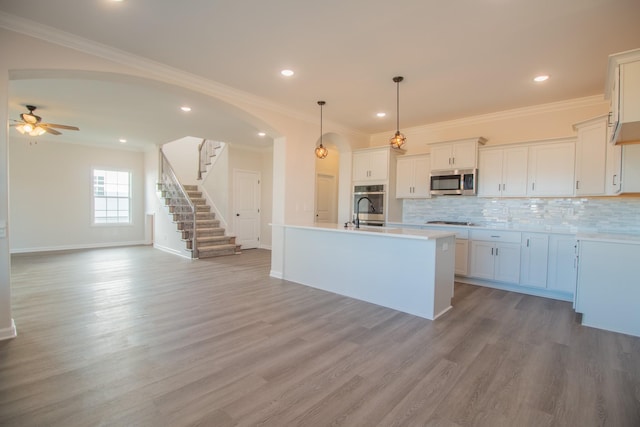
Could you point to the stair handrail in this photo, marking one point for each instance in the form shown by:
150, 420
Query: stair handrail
208, 147
167, 169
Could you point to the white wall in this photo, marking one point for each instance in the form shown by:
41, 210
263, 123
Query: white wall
51, 186
524, 124
184, 157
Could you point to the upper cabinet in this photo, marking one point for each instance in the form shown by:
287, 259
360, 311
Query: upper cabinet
623, 91
458, 154
591, 152
551, 169
412, 177
371, 164
502, 172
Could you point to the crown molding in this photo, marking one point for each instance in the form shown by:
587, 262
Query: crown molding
156, 70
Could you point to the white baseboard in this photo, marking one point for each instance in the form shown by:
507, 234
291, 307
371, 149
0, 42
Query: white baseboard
267, 247
171, 251
76, 247
276, 274
8, 333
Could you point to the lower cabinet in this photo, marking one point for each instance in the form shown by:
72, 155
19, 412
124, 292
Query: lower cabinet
462, 257
534, 260
563, 271
496, 256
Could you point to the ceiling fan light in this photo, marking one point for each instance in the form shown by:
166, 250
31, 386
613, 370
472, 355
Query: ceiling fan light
27, 127
20, 128
37, 131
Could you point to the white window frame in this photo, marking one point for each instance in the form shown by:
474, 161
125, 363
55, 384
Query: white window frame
113, 210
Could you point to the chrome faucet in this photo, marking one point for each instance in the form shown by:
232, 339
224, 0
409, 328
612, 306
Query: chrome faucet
373, 209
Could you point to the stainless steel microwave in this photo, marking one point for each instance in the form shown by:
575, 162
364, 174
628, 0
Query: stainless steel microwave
457, 182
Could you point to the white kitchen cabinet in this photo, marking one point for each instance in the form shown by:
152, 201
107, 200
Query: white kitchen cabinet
591, 152
631, 168
371, 164
551, 169
534, 260
495, 255
412, 177
562, 271
502, 172
459, 154
623, 82
613, 170
462, 257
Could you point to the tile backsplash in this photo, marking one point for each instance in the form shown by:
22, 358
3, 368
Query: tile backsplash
587, 215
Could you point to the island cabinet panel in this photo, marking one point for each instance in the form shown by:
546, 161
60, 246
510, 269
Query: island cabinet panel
462, 257
607, 290
356, 263
534, 260
551, 169
412, 177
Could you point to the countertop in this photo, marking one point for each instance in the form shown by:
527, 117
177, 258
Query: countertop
390, 231
566, 230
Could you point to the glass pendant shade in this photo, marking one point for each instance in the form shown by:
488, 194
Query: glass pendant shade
397, 141
321, 150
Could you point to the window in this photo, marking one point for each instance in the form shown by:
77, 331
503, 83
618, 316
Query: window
111, 197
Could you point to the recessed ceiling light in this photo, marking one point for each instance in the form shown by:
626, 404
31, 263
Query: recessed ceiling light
185, 108
261, 134
287, 73
541, 78
122, 140
381, 114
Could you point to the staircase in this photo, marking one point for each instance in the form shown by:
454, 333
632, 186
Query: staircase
200, 229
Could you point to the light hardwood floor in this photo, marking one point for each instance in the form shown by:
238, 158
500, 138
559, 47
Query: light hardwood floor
137, 337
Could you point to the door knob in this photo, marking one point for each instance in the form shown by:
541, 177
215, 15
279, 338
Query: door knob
237, 214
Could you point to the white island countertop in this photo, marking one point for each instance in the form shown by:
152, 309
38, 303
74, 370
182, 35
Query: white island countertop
406, 233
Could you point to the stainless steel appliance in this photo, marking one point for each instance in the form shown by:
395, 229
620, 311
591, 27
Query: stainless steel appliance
368, 204
457, 182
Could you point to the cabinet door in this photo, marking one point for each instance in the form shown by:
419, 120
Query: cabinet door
422, 169
630, 92
462, 257
614, 109
514, 172
591, 153
464, 154
490, 173
613, 169
360, 166
404, 178
562, 263
534, 260
441, 157
379, 165
482, 259
507, 262
551, 169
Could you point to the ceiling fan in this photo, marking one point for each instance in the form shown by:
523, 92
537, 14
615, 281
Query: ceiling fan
32, 125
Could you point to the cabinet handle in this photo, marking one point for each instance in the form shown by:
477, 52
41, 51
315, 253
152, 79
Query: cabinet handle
577, 185
498, 187
609, 123
527, 242
533, 186
491, 251
613, 181
496, 251
504, 186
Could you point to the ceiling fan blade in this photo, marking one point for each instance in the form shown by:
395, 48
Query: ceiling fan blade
50, 130
53, 125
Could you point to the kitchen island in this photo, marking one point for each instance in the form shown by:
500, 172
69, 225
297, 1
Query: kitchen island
408, 270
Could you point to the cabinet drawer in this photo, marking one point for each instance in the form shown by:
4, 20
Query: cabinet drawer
496, 236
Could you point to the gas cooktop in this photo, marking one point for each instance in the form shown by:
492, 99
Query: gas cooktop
451, 223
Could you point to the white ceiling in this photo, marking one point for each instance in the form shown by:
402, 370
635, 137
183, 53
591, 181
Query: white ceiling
459, 58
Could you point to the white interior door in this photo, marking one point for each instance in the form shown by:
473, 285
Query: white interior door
325, 198
246, 203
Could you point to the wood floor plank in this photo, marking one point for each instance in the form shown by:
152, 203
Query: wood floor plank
135, 336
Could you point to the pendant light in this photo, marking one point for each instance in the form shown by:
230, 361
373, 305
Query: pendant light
398, 139
321, 151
